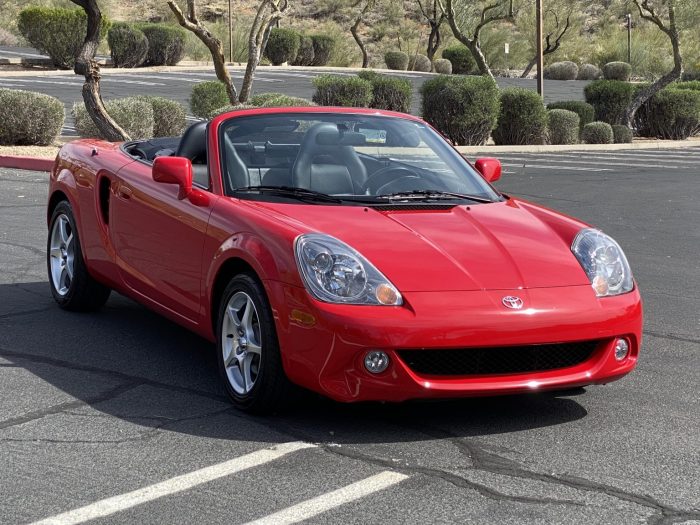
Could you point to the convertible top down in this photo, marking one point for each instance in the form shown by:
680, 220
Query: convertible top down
348, 251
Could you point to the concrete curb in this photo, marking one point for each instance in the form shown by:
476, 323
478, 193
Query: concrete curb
558, 148
26, 163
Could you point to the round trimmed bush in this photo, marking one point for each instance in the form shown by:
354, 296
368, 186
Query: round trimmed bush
169, 116
461, 59
342, 91
28, 118
260, 99
323, 45
671, 114
226, 109
597, 133
206, 97
285, 101
561, 71
585, 111
127, 44
622, 134
305, 55
691, 74
693, 85
57, 32
610, 99
522, 119
562, 126
133, 114
419, 63
166, 44
463, 109
397, 60
617, 71
391, 93
442, 66
282, 46
589, 72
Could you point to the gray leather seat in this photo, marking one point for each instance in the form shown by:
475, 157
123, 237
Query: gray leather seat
193, 146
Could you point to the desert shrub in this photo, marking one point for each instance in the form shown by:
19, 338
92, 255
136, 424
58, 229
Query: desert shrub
461, 59
562, 126
226, 109
622, 134
342, 91
561, 71
419, 63
693, 85
133, 114
671, 114
7, 38
585, 111
617, 71
57, 32
28, 118
522, 119
463, 109
206, 97
442, 66
282, 46
691, 75
260, 99
323, 49
284, 101
589, 72
166, 44
169, 116
127, 44
396, 60
597, 133
388, 92
305, 55
610, 99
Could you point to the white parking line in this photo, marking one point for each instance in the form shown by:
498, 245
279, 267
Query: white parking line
37, 81
109, 506
318, 505
156, 77
571, 161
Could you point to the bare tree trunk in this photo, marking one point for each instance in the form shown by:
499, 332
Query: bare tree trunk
191, 23
86, 65
529, 67
355, 34
434, 40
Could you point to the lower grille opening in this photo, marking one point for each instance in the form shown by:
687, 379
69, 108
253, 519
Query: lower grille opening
498, 360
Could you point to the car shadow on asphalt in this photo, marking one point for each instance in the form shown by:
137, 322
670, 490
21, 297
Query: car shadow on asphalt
128, 362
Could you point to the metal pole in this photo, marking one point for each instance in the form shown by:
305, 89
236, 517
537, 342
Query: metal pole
540, 50
230, 33
629, 38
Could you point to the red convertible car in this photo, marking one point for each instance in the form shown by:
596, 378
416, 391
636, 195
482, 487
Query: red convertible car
348, 251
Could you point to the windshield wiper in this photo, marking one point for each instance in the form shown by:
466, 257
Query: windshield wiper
289, 191
418, 195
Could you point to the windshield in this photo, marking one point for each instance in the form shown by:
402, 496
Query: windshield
351, 157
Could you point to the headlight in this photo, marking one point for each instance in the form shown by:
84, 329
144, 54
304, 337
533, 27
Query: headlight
604, 262
335, 273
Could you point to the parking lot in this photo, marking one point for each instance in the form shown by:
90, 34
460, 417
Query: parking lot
118, 416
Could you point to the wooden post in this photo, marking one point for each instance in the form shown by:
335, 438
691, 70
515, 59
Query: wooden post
540, 50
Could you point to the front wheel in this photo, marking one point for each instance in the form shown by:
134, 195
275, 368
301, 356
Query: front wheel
248, 352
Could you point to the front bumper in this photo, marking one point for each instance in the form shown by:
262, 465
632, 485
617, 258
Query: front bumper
323, 345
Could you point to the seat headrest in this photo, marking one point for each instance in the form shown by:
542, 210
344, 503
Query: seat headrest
194, 141
337, 138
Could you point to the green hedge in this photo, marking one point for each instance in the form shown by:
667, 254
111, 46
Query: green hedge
128, 45
389, 93
28, 118
282, 46
260, 99
562, 126
461, 58
672, 114
226, 109
305, 55
597, 133
133, 114
57, 32
208, 96
617, 71
342, 91
323, 45
584, 110
166, 44
693, 85
622, 134
610, 99
285, 101
463, 109
561, 71
522, 119
397, 60
169, 116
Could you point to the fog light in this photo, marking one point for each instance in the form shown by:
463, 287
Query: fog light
622, 348
376, 361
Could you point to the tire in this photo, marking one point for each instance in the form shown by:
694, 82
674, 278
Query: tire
71, 285
247, 339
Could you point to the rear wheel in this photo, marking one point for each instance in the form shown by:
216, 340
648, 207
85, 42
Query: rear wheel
71, 285
248, 351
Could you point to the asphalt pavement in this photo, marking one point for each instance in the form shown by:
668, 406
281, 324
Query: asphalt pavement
118, 416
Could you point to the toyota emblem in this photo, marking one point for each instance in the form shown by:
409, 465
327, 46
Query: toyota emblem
510, 301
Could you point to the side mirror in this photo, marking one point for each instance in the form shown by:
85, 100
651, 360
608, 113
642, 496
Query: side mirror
489, 168
174, 170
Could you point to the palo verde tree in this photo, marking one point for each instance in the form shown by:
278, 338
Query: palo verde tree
557, 24
86, 65
365, 7
435, 16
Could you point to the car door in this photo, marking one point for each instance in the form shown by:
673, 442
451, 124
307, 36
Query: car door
158, 239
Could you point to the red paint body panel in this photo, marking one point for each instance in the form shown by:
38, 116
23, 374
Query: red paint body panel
453, 267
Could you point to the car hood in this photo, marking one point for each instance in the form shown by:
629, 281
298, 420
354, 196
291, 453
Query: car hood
499, 246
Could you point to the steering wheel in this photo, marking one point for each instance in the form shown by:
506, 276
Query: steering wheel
384, 176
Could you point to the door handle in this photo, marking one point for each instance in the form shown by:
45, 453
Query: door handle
124, 192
